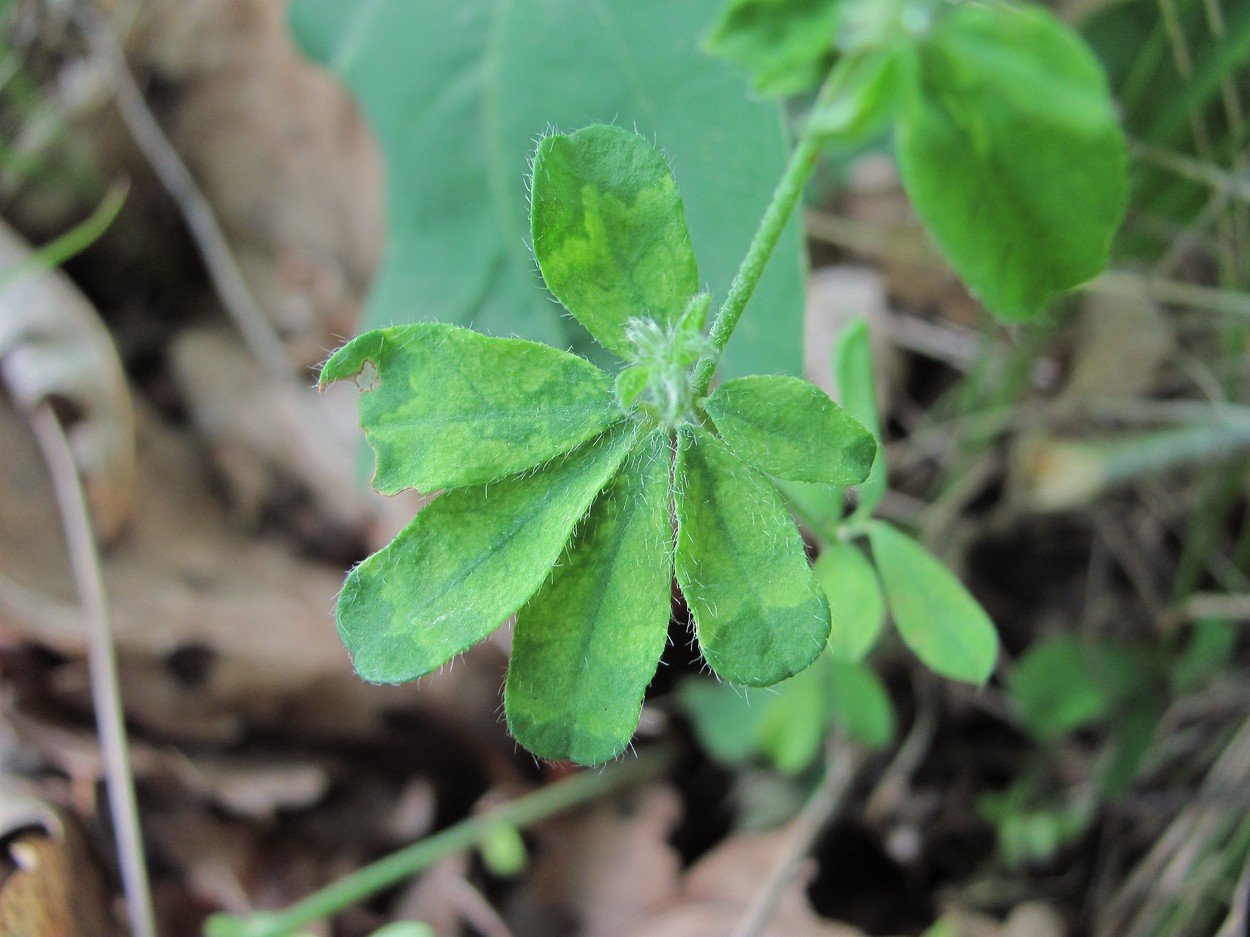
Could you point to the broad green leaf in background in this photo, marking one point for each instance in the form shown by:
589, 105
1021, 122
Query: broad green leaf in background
457, 95
786, 45
758, 613
789, 428
935, 615
610, 233
856, 606
1009, 148
587, 644
859, 703
467, 562
854, 377
498, 406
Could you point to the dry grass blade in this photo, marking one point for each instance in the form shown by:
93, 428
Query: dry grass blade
106, 695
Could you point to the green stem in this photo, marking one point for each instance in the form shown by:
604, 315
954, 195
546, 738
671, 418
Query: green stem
785, 196
541, 804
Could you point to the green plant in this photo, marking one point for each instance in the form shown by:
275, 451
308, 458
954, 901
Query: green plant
561, 481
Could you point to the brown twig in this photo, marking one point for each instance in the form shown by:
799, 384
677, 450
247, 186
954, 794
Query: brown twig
842, 763
223, 270
105, 694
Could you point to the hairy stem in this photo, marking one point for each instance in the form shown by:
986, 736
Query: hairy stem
785, 197
541, 804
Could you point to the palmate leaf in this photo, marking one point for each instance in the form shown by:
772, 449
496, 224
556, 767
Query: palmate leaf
450, 407
468, 561
587, 644
610, 232
789, 428
758, 613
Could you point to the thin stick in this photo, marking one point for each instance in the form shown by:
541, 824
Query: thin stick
105, 693
224, 271
842, 762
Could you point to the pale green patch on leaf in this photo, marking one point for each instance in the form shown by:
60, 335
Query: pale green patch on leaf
786, 45
856, 605
853, 373
758, 613
859, 703
467, 562
450, 407
788, 427
1009, 148
587, 644
934, 614
610, 232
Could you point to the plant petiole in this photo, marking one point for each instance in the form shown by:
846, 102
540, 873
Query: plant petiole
524, 811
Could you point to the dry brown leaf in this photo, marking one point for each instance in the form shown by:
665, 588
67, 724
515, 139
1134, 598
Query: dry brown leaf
53, 346
260, 129
607, 868
50, 884
267, 435
1120, 345
717, 889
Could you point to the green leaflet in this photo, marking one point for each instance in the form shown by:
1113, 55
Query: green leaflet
856, 606
1009, 148
857, 391
935, 615
759, 615
467, 562
610, 232
452, 407
587, 644
788, 427
455, 95
1057, 688
786, 45
792, 725
859, 702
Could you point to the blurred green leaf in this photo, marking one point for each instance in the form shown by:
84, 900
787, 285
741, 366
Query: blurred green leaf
786, 45
853, 374
935, 615
1009, 148
860, 703
1055, 689
856, 606
457, 95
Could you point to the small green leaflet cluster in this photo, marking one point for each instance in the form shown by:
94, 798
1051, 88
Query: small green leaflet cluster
561, 484
936, 617
1004, 127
